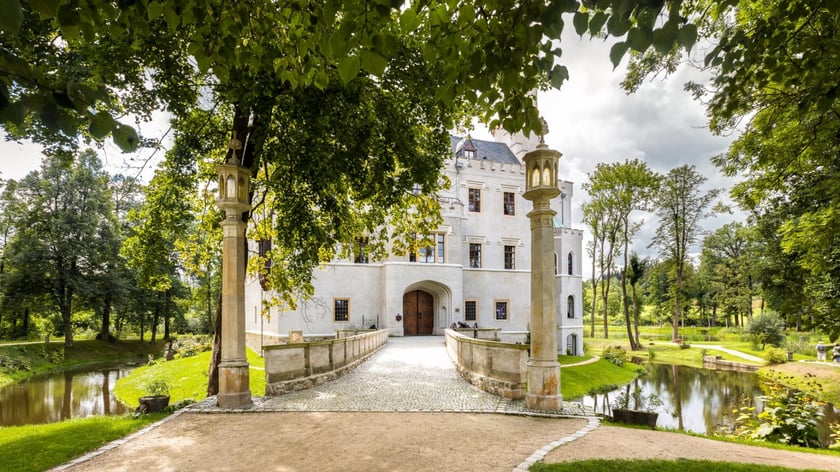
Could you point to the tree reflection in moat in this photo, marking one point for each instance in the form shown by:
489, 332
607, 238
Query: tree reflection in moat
696, 400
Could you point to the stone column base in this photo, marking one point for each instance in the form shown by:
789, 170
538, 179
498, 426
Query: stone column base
543, 385
234, 391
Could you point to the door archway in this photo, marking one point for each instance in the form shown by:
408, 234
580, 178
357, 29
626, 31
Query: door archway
418, 313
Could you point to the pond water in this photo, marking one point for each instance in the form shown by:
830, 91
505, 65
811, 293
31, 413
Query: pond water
696, 400
64, 395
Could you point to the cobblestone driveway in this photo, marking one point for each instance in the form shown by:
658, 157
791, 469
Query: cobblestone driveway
407, 374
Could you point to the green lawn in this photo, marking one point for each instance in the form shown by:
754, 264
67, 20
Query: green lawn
40, 447
633, 465
186, 376
576, 382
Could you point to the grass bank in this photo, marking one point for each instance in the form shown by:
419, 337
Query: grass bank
680, 465
20, 361
577, 381
41, 447
187, 378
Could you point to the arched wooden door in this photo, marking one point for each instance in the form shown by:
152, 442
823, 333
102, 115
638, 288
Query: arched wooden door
418, 313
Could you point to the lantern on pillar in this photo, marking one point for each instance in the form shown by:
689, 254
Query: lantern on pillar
234, 389
541, 171
543, 370
233, 188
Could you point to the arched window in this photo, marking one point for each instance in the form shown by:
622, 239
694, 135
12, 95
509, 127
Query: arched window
570, 307
556, 269
571, 264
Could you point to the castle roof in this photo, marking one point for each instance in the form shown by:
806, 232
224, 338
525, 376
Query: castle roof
489, 150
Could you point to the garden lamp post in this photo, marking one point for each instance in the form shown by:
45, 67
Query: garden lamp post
234, 391
543, 370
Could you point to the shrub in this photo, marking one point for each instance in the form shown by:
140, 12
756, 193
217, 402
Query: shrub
12, 364
764, 329
157, 387
775, 355
789, 416
616, 355
188, 346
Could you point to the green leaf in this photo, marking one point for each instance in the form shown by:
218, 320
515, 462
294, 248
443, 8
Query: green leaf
617, 52
638, 39
617, 25
155, 9
348, 68
171, 16
580, 20
12, 16
100, 125
46, 8
373, 62
597, 22
126, 138
558, 75
687, 36
68, 16
13, 113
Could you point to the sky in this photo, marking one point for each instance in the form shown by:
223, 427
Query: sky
591, 120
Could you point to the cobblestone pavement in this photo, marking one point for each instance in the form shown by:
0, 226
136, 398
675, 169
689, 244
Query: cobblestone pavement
407, 374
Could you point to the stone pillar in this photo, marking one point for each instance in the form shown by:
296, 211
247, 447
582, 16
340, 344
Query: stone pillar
543, 369
234, 389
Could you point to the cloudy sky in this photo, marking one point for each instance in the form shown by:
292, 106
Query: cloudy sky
591, 120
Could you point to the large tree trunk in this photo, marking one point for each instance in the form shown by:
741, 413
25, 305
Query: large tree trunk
634, 345
155, 320
105, 332
216, 356
167, 314
66, 310
635, 316
605, 295
26, 322
594, 299
676, 331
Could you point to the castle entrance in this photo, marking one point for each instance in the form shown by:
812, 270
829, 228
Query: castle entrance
418, 313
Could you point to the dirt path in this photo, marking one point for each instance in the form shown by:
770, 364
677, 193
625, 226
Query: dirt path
298, 442
612, 442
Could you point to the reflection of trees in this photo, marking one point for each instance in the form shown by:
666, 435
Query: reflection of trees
715, 393
68, 395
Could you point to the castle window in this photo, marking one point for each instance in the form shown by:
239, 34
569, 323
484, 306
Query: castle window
470, 310
571, 264
341, 310
474, 199
501, 310
510, 257
510, 204
475, 255
570, 307
433, 253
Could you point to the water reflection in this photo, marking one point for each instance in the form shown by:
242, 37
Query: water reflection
697, 400
61, 396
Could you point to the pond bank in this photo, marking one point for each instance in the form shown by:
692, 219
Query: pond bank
21, 361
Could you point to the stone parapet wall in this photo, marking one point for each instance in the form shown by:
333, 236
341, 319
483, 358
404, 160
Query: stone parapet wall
292, 367
491, 334
717, 363
495, 367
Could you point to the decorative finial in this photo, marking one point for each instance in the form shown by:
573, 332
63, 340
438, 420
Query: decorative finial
235, 145
543, 130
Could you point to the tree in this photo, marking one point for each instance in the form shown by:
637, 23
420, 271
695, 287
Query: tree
766, 329
604, 248
624, 188
730, 258
61, 241
681, 205
634, 274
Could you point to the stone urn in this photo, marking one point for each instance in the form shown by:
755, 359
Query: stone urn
152, 404
637, 417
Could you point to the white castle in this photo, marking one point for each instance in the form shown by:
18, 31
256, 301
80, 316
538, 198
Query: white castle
477, 273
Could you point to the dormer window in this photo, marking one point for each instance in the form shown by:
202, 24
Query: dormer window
469, 153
